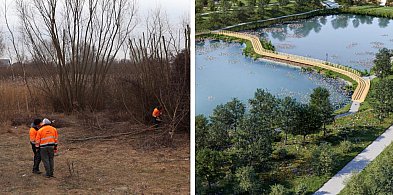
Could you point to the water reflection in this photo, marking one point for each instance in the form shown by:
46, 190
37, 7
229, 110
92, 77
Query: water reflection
341, 37
383, 22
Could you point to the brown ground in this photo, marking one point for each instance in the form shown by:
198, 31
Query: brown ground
129, 164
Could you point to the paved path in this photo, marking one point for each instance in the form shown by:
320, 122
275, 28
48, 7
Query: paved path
361, 91
354, 107
337, 182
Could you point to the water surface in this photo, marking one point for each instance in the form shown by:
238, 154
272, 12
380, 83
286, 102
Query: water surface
223, 73
346, 39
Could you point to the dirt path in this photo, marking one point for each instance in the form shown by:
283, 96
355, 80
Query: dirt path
112, 166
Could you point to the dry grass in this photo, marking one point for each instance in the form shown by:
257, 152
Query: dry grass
15, 100
103, 166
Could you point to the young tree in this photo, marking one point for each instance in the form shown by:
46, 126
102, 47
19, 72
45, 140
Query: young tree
224, 118
225, 5
251, 3
381, 98
288, 115
201, 132
382, 63
199, 6
321, 103
300, 3
264, 108
211, 5
210, 169
262, 6
252, 143
283, 2
309, 121
323, 159
247, 181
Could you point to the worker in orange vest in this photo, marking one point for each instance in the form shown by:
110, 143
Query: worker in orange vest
46, 139
35, 126
157, 112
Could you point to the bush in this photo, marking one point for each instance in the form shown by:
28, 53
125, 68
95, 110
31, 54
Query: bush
322, 159
346, 146
301, 189
277, 189
280, 153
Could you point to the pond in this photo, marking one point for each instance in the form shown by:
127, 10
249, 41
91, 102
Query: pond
223, 73
346, 39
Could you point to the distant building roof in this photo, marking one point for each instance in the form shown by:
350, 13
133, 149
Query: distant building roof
5, 62
330, 4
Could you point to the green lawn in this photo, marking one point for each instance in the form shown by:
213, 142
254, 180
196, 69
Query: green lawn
383, 163
371, 10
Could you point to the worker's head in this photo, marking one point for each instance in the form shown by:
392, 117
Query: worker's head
159, 107
46, 121
37, 121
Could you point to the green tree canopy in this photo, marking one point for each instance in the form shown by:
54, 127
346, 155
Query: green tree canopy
382, 64
321, 103
381, 98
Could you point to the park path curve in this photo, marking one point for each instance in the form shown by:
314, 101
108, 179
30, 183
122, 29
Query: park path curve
361, 90
337, 182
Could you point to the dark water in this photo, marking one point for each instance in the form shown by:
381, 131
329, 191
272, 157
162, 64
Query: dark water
350, 40
222, 73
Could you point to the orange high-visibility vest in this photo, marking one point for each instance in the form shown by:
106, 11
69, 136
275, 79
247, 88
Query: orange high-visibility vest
33, 135
156, 113
46, 136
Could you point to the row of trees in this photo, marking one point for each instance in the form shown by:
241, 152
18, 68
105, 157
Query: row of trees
229, 12
234, 146
75, 46
258, 5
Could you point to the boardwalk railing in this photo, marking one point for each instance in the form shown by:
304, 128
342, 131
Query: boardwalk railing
361, 90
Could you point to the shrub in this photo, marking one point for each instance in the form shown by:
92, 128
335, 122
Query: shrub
277, 189
346, 146
322, 159
280, 153
301, 189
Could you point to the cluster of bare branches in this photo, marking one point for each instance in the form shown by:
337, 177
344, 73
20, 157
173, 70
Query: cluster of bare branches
162, 75
81, 39
74, 47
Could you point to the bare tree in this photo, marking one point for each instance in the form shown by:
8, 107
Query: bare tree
81, 39
2, 46
163, 72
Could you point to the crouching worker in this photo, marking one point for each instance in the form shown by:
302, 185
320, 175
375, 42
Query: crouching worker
35, 126
157, 112
47, 141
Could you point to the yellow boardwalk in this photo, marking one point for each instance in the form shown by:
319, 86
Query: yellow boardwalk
361, 91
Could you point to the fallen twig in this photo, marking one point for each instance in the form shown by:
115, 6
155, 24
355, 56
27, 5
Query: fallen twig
111, 136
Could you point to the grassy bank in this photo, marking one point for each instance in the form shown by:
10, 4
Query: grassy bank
370, 10
375, 177
245, 14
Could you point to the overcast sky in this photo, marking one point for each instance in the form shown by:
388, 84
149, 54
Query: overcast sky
176, 10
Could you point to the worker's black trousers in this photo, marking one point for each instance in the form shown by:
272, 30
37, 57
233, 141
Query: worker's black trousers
37, 158
47, 156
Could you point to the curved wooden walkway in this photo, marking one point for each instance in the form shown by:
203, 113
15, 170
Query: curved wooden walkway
361, 90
